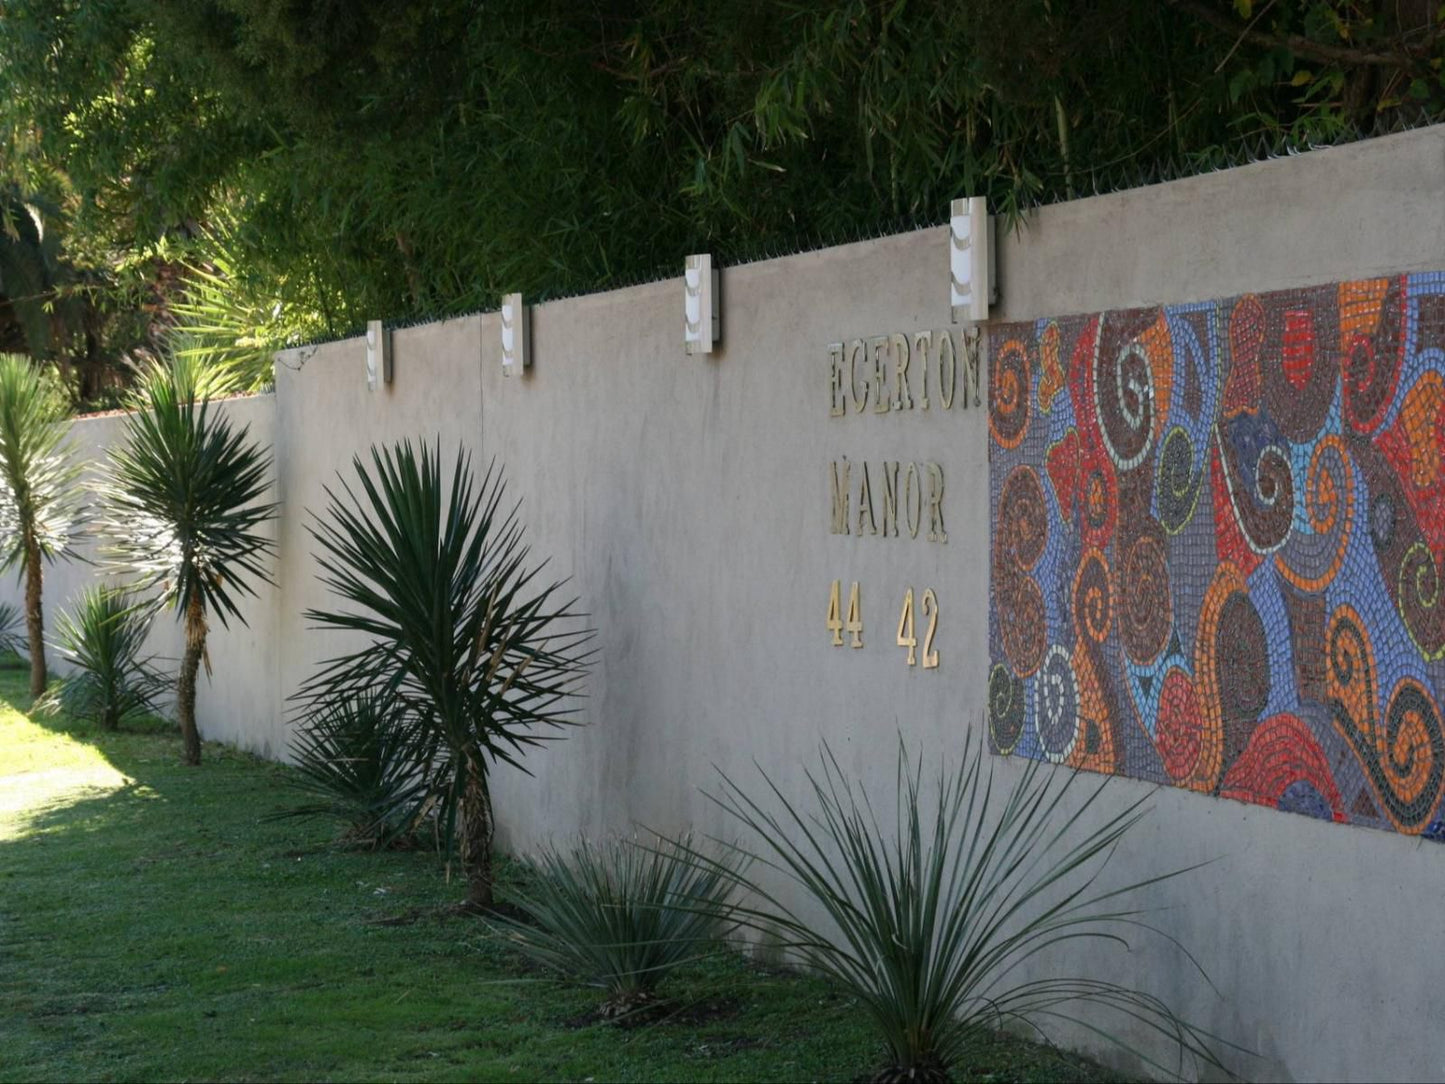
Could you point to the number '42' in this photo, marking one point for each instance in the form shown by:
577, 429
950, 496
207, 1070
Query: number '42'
906, 636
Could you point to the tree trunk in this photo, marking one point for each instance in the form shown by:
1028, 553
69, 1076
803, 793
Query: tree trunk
475, 843
186, 683
34, 618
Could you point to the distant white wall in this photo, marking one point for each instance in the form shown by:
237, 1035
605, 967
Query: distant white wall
689, 501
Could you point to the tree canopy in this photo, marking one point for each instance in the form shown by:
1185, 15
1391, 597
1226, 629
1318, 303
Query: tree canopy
290, 170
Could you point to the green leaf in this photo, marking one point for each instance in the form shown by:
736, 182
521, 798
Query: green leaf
621, 915
480, 659
929, 923
102, 637
183, 497
357, 761
1240, 83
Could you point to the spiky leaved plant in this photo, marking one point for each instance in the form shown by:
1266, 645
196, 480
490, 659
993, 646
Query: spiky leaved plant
183, 511
12, 629
476, 648
620, 915
356, 763
39, 495
931, 922
103, 637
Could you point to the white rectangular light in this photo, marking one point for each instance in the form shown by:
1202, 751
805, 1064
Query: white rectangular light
516, 335
378, 354
969, 263
701, 314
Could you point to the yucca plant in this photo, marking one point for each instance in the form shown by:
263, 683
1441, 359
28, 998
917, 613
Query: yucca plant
103, 639
184, 514
39, 495
356, 760
484, 656
12, 629
620, 915
931, 922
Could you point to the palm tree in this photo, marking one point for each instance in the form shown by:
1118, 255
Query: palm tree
183, 512
38, 499
460, 630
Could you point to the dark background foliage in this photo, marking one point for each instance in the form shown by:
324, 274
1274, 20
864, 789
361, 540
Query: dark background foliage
409, 159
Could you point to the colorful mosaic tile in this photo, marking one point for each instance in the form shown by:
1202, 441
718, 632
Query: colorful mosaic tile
1218, 537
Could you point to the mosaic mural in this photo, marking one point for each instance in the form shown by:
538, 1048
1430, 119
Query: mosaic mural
1218, 537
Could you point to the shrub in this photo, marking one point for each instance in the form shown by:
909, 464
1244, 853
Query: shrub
620, 915
12, 636
355, 759
479, 652
932, 922
102, 638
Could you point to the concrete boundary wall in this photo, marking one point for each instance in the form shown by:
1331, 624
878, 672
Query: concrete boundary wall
694, 502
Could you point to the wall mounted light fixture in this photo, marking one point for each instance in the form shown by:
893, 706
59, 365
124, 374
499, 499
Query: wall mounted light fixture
970, 260
516, 335
378, 354
701, 315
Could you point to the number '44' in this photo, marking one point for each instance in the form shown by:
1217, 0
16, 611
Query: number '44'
909, 639
836, 625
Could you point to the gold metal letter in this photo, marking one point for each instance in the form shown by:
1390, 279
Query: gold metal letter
840, 497
947, 371
971, 358
878, 357
936, 533
856, 350
898, 345
913, 499
837, 405
890, 499
865, 504
923, 351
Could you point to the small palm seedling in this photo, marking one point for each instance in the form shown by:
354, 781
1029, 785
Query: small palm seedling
460, 630
355, 761
620, 916
931, 921
38, 490
184, 512
102, 638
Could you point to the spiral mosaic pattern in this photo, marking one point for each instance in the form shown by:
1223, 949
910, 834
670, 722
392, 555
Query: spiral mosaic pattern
1218, 551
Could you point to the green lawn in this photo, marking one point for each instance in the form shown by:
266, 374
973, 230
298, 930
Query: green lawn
154, 926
